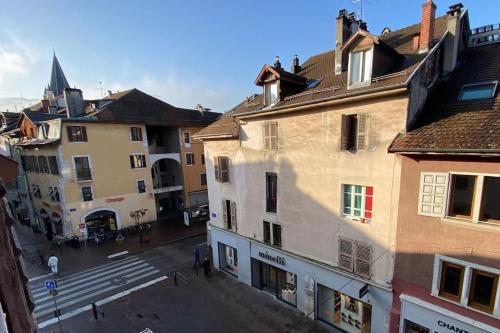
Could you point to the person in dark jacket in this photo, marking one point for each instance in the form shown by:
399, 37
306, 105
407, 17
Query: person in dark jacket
206, 266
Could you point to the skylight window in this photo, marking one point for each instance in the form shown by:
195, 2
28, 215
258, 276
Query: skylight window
313, 84
478, 91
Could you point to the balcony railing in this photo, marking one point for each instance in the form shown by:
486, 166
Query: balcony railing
83, 174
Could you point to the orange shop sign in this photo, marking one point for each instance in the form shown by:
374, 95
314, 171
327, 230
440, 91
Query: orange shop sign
118, 199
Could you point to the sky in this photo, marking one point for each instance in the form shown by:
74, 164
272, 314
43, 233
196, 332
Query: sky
184, 52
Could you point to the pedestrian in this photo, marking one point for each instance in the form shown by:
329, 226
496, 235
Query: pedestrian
197, 262
53, 261
206, 266
41, 255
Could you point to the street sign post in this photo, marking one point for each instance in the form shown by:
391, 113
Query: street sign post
51, 286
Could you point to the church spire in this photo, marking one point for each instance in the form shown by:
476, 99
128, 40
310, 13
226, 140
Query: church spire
57, 80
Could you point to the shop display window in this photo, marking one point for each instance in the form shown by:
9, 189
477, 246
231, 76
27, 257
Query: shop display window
411, 327
275, 281
228, 259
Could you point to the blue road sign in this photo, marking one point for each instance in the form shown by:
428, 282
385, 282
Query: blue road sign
50, 284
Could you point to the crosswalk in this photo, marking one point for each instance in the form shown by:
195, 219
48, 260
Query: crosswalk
91, 285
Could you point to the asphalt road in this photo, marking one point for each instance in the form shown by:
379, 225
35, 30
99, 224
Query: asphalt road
197, 304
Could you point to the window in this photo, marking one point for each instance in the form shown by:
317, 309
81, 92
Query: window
462, 195
203, 179
478, 91
82, 168
276, 235
271, 192
466, 283
54, 193
221, 169
273, 238
452, 278
36, 191
360, 69
44, 165
87, 193
189, 159
203, 159
490, 209
358, 201
354, 135
483, 290
355, 257
433, 189
141, 186
187, 139
137, 161
271, 136
54, 169
136, 133
411, 327
229, 215
77, 133
271, 93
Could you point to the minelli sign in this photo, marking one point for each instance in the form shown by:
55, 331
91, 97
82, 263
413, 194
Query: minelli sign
277, 259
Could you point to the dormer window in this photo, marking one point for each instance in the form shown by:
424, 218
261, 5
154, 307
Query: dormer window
478, 91
271, 93
360, 67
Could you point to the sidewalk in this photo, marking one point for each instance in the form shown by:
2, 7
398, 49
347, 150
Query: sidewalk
70, 259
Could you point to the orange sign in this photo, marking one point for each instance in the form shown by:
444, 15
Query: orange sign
115, 199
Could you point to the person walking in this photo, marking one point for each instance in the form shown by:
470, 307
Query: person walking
53, 261
197, 262
206, 266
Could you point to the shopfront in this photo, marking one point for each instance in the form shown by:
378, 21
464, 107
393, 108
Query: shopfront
275, 281
228, 259
101, 223
418, 316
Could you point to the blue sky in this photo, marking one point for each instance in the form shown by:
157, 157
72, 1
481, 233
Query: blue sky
184, 52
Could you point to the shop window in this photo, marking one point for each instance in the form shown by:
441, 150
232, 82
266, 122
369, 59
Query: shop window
271, 136
462, 196
266, 232
343, 311
275, 281
483, 289
358, 201
87, 193
228, 259
490, 209
137, 161
271, 192
221, 169
76, 133
411, 327
452, 278
354, 132
229, 215
203, 179
136, 133
141, 186
189, 159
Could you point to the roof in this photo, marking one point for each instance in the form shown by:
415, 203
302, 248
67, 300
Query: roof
321, 67
57, 78
449, 125
37, 117
137, 106
11, 120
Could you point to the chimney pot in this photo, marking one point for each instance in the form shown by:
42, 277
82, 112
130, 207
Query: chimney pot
427, 25
277, 63
296, 65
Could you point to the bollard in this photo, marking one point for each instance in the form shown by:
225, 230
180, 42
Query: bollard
94, 310
175, 278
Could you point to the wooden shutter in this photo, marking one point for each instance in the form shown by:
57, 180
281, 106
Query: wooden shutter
132, 163
233, 216
362, 131
344, 135
274, 136
224, 213
346, 254
216, 169
267, 136
224, 169
84, 133
433, 194
363, 261
143, 158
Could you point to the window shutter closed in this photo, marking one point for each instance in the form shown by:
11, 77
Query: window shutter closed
274, 136
344, 136
84, 133
132, 164
363, 260
433, 193
346, 251
216, 169
233, 216
362, 131
224, 213
267, 136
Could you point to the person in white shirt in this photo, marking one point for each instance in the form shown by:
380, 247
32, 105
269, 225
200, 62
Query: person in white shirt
53, 261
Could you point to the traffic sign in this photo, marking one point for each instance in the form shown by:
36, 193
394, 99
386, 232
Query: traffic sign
50, 284
83, 227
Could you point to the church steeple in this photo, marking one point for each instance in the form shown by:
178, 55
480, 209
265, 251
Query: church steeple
57, 80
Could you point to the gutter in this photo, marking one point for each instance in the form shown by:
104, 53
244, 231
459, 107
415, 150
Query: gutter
493, 152
219, 136
356, 96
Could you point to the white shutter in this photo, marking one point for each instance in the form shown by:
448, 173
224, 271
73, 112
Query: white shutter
267, 136
362, 265
274, 136
224, 213
234, 223
362, 131
433, 194
346, 253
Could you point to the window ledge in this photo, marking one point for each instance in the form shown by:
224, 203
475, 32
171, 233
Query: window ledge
465, 306
484, 225
359, 220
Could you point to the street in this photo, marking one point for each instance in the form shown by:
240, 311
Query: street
138, 292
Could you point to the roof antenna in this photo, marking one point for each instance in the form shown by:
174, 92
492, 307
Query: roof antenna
360, 14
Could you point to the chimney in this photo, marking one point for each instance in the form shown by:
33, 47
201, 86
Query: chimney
277, 63
45, 105
295, 65
200, 108
427, 25
74, 102
110, 93
345, 26
451, 44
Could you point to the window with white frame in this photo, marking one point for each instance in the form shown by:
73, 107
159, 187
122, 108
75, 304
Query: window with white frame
221, 169
467, 197
187, 139
469, 284
271, 136
355, 257
360, 66
272, 233
141, 186
136, 133
229, 215
271, 93
137, 161
87, 194
358, 201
